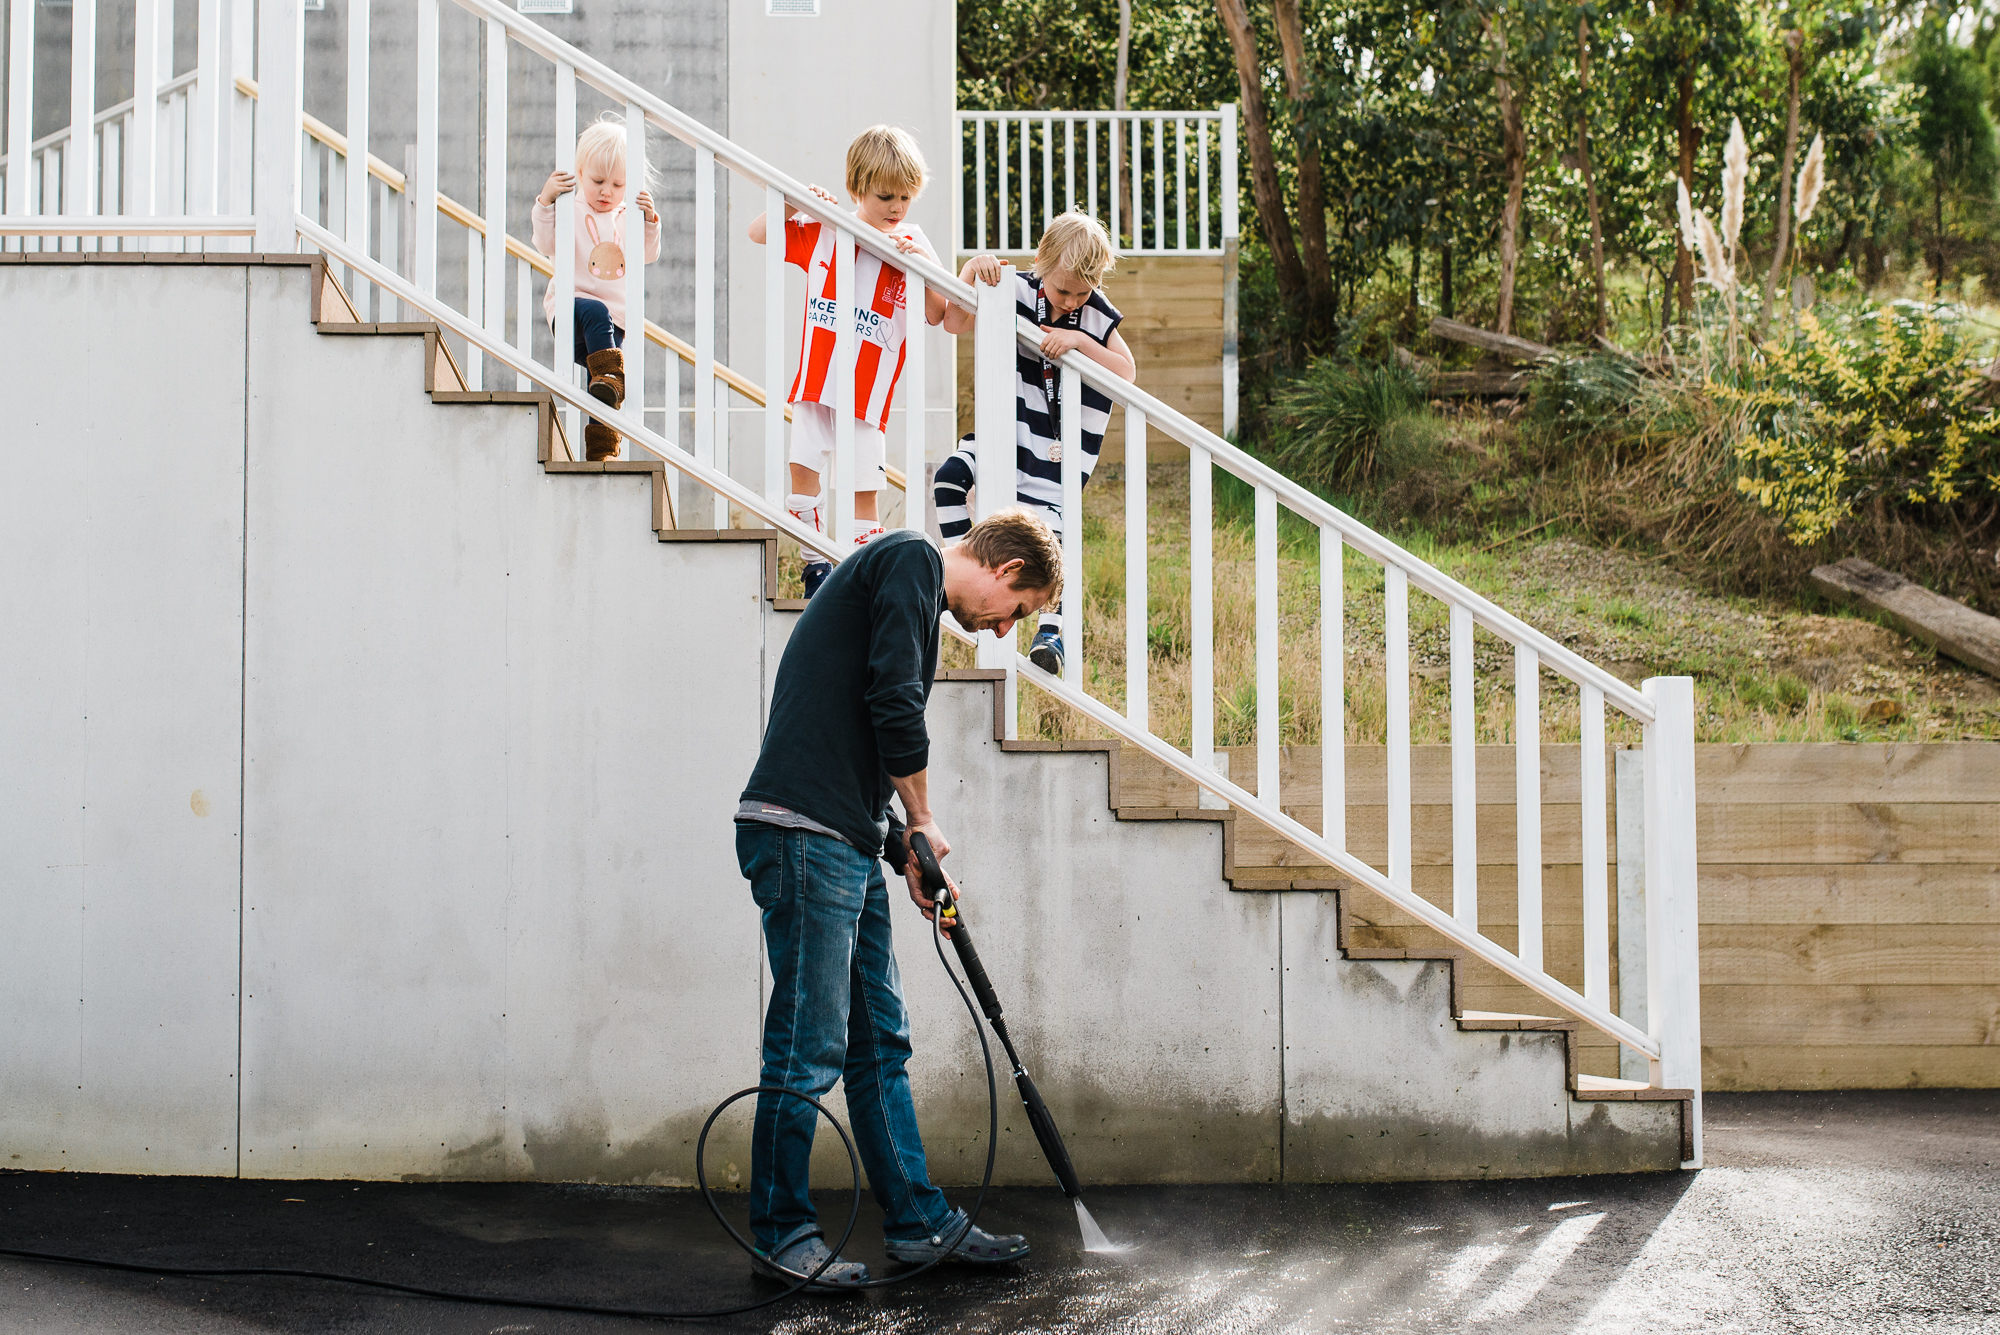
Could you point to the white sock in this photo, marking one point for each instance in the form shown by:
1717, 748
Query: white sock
805, 509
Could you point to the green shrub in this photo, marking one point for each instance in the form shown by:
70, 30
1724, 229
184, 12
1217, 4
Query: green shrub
1329, 423
1885, 405
1582, 396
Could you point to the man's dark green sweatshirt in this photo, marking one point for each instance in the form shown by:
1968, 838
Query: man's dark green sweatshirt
848, 708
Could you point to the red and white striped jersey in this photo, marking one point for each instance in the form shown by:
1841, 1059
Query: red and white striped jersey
878, 319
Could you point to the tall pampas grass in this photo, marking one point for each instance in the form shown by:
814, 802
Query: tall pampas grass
1735, 176
1812, 180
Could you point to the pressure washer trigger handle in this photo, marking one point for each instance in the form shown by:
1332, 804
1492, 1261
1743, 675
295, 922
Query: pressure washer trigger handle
933, 875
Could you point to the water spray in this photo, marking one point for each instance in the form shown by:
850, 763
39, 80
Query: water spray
938, 886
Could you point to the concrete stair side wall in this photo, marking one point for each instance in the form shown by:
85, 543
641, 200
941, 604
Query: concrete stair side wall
1182, 1032
374, 821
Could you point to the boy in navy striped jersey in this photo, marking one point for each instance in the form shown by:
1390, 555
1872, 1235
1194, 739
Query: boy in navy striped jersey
1062, 297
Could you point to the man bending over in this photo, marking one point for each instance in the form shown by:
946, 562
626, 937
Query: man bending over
847, 730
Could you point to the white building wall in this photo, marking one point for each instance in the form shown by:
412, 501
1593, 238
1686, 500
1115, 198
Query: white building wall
121, 598
800, 89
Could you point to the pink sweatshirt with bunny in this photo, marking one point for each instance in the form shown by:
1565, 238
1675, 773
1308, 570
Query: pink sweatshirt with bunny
600, 253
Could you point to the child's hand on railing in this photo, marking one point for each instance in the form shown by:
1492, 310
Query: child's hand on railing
645, 203
981, 269
1055, 342
824, 194
559, 183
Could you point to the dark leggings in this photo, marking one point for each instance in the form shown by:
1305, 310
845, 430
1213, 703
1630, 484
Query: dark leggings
594, 330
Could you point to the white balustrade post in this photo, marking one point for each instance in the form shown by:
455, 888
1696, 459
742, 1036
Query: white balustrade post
357, 145
1396, 674
1673, 972
915, 402
1464, 774
563, 329
979, 180
777, 476
495, 312
424, 189
838, 490
1528, 804
1201, 607
1269, 706
1201, 176
1138, 658
524, 305
1071, 392
1596, 887
1159, 183
20, 107
1229, 259
993, 433
704, 318
635, 275
143, 150
281, 54
212, 93
1332, 687
475, 305
80, 150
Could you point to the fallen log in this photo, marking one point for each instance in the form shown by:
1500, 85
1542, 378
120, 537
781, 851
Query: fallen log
1479, 384
1520, 349
1948, 626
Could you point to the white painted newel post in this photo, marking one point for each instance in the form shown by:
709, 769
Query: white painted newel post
993, 429
1673, 963
281, 64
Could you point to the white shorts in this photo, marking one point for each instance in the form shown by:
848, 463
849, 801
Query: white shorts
812, 446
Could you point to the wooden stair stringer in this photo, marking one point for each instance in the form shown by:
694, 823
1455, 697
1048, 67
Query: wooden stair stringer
1581, 1088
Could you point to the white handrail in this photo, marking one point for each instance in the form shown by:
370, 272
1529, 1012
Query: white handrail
1356, 534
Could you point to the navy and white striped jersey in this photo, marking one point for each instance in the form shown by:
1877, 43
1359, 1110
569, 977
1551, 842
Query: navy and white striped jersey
1037, 394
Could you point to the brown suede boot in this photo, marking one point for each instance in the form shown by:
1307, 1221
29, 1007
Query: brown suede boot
607, 386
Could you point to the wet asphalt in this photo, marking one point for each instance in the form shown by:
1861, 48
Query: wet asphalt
1875, 1212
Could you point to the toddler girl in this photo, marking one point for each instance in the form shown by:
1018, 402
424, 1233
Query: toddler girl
600, 263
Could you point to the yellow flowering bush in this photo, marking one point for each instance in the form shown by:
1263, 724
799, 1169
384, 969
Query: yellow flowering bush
1890, 403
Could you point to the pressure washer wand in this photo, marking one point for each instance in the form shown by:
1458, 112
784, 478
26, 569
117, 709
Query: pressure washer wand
982, 987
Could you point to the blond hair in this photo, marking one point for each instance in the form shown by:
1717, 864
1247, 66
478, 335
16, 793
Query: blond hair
1019, 534
884, 157
602, 144
1076, 243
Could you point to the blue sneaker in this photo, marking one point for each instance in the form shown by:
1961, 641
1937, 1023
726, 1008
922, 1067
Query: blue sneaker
978, 1247
815, 575
1046, 652
792, 1264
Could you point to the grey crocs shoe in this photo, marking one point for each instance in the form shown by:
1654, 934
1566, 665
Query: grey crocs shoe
977, 1248
795, 1262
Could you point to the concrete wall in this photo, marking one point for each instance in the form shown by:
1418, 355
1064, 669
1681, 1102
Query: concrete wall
483, 766
1182, 1032
329, 696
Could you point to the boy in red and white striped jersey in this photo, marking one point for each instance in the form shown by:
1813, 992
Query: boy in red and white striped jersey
885, 174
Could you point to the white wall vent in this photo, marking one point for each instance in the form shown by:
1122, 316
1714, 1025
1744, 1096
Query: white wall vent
548, 6
806, 9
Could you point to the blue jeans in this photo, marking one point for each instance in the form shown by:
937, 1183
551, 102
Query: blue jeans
594, 331
836, 1013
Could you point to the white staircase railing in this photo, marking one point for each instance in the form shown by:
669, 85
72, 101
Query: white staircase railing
343, 226
1163, 182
